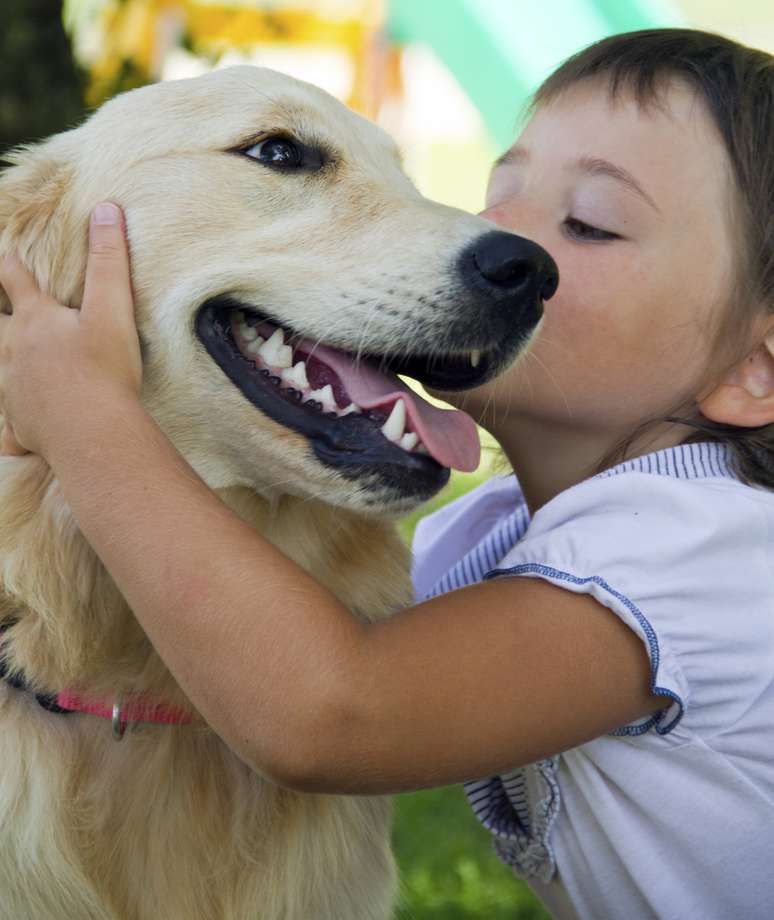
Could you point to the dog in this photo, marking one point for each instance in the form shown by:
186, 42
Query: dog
285, 271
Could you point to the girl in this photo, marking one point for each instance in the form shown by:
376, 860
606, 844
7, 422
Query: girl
608, 663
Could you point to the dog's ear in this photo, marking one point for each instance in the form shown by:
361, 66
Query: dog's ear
37, 222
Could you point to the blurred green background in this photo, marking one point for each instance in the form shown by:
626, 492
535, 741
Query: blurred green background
449, 870
448, 78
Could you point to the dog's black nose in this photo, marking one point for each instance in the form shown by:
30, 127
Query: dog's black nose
512, 265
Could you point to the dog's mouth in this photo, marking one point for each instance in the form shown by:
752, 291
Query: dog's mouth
353, 410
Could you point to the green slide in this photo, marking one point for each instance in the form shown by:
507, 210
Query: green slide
500, 50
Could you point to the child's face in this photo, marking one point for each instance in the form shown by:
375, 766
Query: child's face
630, 329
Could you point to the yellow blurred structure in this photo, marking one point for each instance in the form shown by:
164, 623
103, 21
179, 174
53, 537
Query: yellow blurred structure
137, 35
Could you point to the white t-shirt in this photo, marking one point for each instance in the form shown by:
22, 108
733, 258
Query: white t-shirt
673, 816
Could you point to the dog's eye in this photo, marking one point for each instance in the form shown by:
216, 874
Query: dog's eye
278, 152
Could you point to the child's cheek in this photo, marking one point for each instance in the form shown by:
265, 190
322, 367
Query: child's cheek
590, 316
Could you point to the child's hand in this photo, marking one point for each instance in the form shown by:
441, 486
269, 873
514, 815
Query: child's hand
55, 360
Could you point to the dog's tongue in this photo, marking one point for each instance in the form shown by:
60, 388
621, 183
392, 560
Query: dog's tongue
449, 435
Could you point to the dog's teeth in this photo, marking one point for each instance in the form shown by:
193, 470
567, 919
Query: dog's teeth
352, 407
301, 378
283, 357
324, 396
269, 350
392, 429
255, 346
248, 334
409, 440
296, 376
475, 357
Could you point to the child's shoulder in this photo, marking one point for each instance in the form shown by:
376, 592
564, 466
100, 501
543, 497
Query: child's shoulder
679, 502
684, 556
674, 501
678, 522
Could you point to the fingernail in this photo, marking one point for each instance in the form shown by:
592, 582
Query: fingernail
105, 213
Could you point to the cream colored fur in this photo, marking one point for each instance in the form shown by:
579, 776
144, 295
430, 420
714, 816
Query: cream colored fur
168, 824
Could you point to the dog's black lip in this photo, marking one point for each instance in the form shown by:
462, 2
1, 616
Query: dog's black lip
352, 441
450, 375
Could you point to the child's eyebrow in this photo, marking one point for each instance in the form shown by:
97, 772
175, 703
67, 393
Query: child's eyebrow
593, 166
514, 154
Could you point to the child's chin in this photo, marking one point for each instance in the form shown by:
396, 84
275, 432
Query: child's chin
454, 398
471, 401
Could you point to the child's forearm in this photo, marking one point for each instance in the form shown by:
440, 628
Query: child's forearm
210, 592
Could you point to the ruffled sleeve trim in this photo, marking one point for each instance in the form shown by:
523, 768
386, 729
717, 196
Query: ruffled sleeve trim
665, 681
519, 809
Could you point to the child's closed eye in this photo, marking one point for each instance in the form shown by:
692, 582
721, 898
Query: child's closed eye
579, 230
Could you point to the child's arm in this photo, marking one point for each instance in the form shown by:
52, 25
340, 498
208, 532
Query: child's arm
465, 685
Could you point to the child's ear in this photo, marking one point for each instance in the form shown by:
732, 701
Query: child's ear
746, 396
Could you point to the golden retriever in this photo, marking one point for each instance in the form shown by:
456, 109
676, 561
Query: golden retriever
285, 270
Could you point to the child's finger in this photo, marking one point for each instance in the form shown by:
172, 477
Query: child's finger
18, 283
108, 291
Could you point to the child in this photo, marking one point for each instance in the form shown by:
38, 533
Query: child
619, 696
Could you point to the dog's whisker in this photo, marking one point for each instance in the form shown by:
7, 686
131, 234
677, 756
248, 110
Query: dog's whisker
550, 374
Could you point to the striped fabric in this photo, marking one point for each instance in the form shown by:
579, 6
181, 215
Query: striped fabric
520, 807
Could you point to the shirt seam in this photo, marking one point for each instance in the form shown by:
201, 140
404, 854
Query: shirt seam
655, 657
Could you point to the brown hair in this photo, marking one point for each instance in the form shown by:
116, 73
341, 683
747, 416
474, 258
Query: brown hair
737, 86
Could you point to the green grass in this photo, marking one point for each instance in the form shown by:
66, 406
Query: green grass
459, 484
449, 870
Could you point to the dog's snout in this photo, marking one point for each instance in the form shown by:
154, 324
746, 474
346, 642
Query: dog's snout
511, 265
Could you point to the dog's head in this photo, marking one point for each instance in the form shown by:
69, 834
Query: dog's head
285, 271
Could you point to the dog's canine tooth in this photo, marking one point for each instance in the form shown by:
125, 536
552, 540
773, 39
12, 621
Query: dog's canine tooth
255, 346
409, 440
392, 429
475, 357
248, 333
270, 347
352, 407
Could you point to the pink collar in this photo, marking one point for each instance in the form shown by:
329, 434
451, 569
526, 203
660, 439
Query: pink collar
133, 709
136, 708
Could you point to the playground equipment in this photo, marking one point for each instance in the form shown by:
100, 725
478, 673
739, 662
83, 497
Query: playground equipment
498, 50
